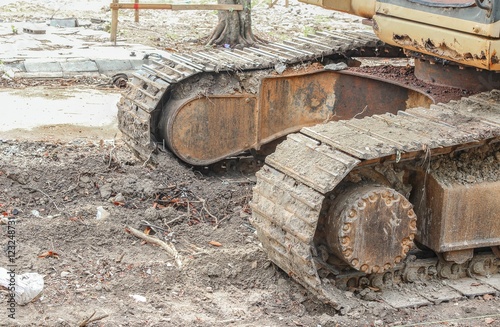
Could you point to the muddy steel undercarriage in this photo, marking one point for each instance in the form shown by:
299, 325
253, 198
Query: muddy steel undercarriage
339, 205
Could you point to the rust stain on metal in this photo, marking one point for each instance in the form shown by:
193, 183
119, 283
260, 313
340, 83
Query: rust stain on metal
494, 57
460, 216
460, 77
212, 128
440, 49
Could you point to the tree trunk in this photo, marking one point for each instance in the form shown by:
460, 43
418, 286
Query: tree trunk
234, 27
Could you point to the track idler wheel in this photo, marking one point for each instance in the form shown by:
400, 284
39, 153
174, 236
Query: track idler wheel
371, 228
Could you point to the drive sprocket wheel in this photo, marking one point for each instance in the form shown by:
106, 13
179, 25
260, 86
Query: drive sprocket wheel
371, 228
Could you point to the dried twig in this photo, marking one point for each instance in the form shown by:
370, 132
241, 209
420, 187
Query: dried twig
153, 227
169, 247
360, 113
175, 219
118, 260
90, 319
206, 210
148, 159
51, 200
220, 222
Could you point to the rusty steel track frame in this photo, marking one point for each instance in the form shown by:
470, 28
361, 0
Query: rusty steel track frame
150, 89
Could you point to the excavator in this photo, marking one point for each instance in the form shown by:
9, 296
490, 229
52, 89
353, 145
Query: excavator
362, 182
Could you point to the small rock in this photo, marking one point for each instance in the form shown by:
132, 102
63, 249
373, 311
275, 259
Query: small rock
152, 214
119, 198
105, 191
213, 270
64, 274
35, 213
345, 310
471, 179
469, 309
336, 67
326, 320
299, 297
378, 322
488, 297
210, 290
139, 298
368, 295
84, 179
102, 213
280, 68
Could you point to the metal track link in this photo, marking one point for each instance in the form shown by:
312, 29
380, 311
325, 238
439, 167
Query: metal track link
297, 178
148, 89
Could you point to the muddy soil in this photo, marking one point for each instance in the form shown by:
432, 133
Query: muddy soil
94, 266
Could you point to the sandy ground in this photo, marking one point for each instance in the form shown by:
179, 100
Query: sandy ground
52, 185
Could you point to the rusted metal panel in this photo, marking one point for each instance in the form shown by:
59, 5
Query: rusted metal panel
204, 130
460, 77
292, 102
288, 103
209, 129
464, 48
458, 216
471, 20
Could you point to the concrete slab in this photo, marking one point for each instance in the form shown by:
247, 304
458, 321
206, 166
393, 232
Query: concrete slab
60, 113
37, 66
64, 22
471, 287
32, 107
66, 51
440, 294
79, 66
399, 300
34, 28
113, 65
493, 281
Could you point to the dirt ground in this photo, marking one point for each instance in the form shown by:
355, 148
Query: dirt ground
53, 190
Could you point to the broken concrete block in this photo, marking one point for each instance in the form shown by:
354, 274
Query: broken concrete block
34, 28
64, 22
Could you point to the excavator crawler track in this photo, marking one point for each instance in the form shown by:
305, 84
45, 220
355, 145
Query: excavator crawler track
313, 170
151, 89
308, 170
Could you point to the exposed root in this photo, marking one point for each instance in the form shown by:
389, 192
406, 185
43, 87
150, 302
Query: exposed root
169, 247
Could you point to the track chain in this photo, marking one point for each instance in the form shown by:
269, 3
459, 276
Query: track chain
298, 177
149, 89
